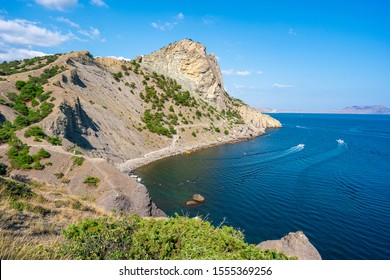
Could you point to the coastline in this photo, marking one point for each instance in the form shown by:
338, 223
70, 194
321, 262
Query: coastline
131, 165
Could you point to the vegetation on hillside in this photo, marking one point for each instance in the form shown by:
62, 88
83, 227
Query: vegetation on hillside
28, 64
30, 96
114, 236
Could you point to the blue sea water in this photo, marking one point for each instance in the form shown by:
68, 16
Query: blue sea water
294, 178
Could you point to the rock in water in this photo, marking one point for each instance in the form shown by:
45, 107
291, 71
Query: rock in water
198, 198
191, 203
293, 244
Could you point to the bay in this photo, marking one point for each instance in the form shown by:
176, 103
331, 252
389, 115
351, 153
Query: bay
294, 178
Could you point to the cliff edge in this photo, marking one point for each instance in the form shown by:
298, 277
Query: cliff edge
294, 244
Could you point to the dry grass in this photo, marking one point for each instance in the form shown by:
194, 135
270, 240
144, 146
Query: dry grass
25, 248
30, 227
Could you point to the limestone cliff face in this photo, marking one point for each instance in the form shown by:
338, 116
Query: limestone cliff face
199, 72
194, 69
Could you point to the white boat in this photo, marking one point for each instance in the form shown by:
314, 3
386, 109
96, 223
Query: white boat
301, 145
139, 179
340, 141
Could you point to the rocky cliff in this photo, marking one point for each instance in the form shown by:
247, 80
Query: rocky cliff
126, 113
199, 72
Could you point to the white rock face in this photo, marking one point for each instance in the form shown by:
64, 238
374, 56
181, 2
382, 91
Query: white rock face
200, 74
188, 63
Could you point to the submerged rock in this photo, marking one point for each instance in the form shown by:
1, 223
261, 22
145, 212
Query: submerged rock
293, 244
191, 203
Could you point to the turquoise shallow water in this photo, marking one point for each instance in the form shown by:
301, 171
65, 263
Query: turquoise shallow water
294, 178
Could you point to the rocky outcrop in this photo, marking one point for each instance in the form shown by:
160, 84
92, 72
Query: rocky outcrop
198, 72
294, 244
194, 69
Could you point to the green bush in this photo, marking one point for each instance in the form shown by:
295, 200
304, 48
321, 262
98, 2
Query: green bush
42, 153
117, 75
34, 131
37, 166
20, 84
55, 140
180, 238
92, 181
78, 160
226, 132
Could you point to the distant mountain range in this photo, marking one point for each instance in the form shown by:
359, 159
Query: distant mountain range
375, 109
364, 109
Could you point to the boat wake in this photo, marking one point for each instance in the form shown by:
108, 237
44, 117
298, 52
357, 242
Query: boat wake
340, 141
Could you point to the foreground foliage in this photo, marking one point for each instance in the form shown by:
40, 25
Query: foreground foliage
132, 237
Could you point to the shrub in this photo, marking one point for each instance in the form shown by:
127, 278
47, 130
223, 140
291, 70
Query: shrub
78, 160
3, 169
180, 238
34, 103
34, 131
193, 133
226, 132
42, 153
92, 181
37, 166
59, 175
20, 84
55, 140
117, 75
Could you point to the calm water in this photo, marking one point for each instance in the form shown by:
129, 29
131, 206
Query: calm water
337, 194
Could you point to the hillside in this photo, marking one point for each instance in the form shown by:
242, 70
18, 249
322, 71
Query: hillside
116, 115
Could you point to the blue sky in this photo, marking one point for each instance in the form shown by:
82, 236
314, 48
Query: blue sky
311, 55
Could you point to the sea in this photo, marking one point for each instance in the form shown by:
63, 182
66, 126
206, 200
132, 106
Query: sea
327, 175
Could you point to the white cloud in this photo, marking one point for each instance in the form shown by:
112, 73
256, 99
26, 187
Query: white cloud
67, 21
243, 87
93, 33
120, 58
179, 16
168, 25
98, 3
228, 72
292, 32
60, 5
231, 72
18, 54
276, 85
259, 72
243, 73
23, 32
208, 20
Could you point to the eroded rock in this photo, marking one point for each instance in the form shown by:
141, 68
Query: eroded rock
293, 244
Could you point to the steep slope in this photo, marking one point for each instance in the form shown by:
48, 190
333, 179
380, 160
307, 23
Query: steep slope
126, 113
198, 72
